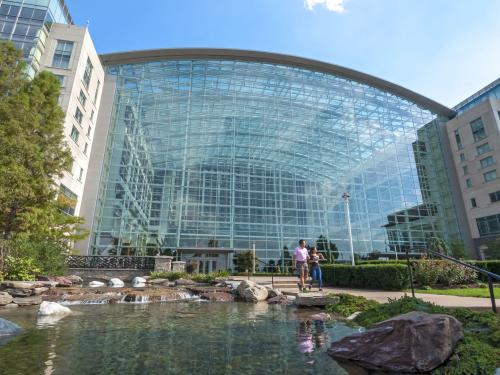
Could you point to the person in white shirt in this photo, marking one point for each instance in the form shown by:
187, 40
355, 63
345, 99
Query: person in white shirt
299, 262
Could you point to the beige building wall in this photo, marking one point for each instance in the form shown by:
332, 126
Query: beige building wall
72, 82
467, 160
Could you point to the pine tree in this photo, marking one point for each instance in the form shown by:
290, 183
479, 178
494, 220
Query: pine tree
32, 154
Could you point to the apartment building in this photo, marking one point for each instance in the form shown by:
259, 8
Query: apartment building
474, 135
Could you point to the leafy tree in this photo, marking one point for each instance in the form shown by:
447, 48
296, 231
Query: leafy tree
244, 261
457, 249
32, 155
438, 245
328, 247
493, 250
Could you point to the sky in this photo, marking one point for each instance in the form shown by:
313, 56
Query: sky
443, 49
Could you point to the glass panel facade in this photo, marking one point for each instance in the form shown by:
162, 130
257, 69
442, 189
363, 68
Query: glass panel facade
242, 153
26, 22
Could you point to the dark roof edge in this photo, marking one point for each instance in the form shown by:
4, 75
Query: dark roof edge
274, 58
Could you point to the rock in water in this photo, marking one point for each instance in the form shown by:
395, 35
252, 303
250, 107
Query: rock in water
251, 292
5, 298
315, 299
271, 293
279, 300
8, 328
52, 308
412, 342
116, 283
96, 284
27, 301
76, 280
139, 282
217, 296
184, 282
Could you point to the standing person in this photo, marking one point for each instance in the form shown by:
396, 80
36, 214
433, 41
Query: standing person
314, 259
299, 262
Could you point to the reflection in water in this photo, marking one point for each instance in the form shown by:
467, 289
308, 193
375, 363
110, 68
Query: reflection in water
173, 338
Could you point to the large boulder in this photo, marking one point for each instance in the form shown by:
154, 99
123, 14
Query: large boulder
27, 301
52, 308
315, 299
8, 328
75, 279
217, 296
138, 282
20, 284
5, 298
18, 292
116, 283
271, 293
412, 342
96, 284
181, 282
251, 292
279, 300
63, 282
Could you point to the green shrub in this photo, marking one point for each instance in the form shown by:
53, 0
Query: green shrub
349, 304
22, 269
372, 276
198, 277
489, 265
431, 272
168, 275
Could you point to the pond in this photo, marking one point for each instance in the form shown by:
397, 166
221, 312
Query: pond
172, 338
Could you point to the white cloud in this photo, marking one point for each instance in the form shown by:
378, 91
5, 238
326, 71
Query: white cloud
332, 5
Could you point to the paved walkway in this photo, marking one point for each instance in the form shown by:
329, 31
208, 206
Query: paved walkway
382, 295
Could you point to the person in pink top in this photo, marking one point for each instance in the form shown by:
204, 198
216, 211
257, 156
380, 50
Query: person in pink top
299, 262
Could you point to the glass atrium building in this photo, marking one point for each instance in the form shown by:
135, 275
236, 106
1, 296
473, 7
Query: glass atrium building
225, 148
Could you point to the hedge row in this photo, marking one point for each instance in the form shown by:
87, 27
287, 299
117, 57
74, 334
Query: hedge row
370, 276
488, 265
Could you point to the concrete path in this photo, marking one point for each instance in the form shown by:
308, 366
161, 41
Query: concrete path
383, 295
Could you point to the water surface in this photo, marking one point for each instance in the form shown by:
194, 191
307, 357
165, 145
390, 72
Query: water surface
172, 338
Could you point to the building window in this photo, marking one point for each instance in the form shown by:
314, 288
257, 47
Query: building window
483, 148
477, 128
87, 75
495, 197
92, 115
62, 55
486, 162
85, 148
82, 98
60, 78
490, 176
488, 225
78, 115
68, 200
462, 157
80, 174
458, 139
89, 130
468, 182
473, 202
97, 91
466, 169
74, 134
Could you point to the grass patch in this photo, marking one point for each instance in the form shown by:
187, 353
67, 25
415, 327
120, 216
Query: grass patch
462, 292
349, 304
477, 353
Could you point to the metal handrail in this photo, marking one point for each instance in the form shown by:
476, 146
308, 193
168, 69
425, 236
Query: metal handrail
489, 274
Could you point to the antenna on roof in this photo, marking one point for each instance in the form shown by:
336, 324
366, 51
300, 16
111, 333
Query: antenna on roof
88, 22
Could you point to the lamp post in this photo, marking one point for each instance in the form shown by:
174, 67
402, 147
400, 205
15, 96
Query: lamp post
253, 260
346, 197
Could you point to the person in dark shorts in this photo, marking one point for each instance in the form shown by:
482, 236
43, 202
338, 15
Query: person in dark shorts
299, 262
